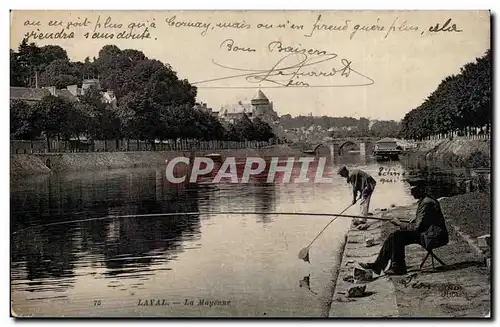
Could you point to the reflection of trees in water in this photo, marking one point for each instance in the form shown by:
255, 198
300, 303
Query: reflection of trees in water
138, 236
48, 253
62, 199
440, 180
265, 200
51, 251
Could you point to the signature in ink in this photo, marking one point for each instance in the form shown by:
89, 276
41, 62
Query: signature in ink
447, 290
297, 68
417, 284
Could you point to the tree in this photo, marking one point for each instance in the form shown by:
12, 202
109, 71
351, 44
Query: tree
49, 53
30, 59
152, 101
244, 128
18, 73
363, 127
231, 133
22, 123
52, 116
459, 103
84, 120
112, 66
150, 95
125, 112
262, 130
60, 73
101, 120
385, 128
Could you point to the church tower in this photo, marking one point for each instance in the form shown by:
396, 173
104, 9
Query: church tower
262, 107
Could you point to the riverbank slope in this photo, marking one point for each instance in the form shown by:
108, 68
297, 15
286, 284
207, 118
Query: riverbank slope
471, 153
459, 289
30, 164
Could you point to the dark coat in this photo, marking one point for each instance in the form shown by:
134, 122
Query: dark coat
361, 182
429, 223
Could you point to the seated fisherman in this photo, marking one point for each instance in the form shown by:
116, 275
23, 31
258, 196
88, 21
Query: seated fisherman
428, 228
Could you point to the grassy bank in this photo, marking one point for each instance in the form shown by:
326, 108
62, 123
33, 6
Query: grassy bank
457, 152
25, 164
470, 212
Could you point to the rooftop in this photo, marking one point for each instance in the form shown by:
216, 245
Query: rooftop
66, 94
27, 93
387, 140
237, 108
260, 96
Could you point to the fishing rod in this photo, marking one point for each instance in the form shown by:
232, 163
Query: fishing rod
196, 213
254, 213
304, 253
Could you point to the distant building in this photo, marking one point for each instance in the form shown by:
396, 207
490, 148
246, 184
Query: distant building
87, 83
70, 93
203, 107
107, 96
28, 94
259, 106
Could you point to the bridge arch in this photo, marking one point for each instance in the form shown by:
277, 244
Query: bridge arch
348, 142
339, 144
318, 146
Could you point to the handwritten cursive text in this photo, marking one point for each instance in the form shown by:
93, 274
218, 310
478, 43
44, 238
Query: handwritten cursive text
229, 44
300, 66
446, 27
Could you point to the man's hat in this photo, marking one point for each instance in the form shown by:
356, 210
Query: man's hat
341, 170
416, 183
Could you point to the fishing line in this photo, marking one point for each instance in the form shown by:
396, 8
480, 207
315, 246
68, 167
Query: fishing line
195, 213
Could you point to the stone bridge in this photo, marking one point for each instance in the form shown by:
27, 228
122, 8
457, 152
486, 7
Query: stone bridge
337, 147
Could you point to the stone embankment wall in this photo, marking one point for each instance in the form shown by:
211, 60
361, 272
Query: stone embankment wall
29, 164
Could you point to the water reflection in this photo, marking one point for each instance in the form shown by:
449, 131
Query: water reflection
47, 255
123, 246
306, 283
445, 180
265, 196
214, 255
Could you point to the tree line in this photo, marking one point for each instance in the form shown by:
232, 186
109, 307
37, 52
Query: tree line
152, 102
289, 122
344, 126
461, 103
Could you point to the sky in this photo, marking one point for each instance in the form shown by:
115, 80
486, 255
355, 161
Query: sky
380, 73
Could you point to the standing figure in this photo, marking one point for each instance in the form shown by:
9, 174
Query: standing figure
364, 184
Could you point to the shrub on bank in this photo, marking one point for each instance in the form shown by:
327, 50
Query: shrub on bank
478, 159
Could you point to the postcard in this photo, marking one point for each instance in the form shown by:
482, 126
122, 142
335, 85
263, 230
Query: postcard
291, 164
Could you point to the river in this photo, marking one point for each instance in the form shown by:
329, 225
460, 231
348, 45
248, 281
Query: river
202, 265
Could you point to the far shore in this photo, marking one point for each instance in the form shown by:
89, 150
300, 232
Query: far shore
46, 163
